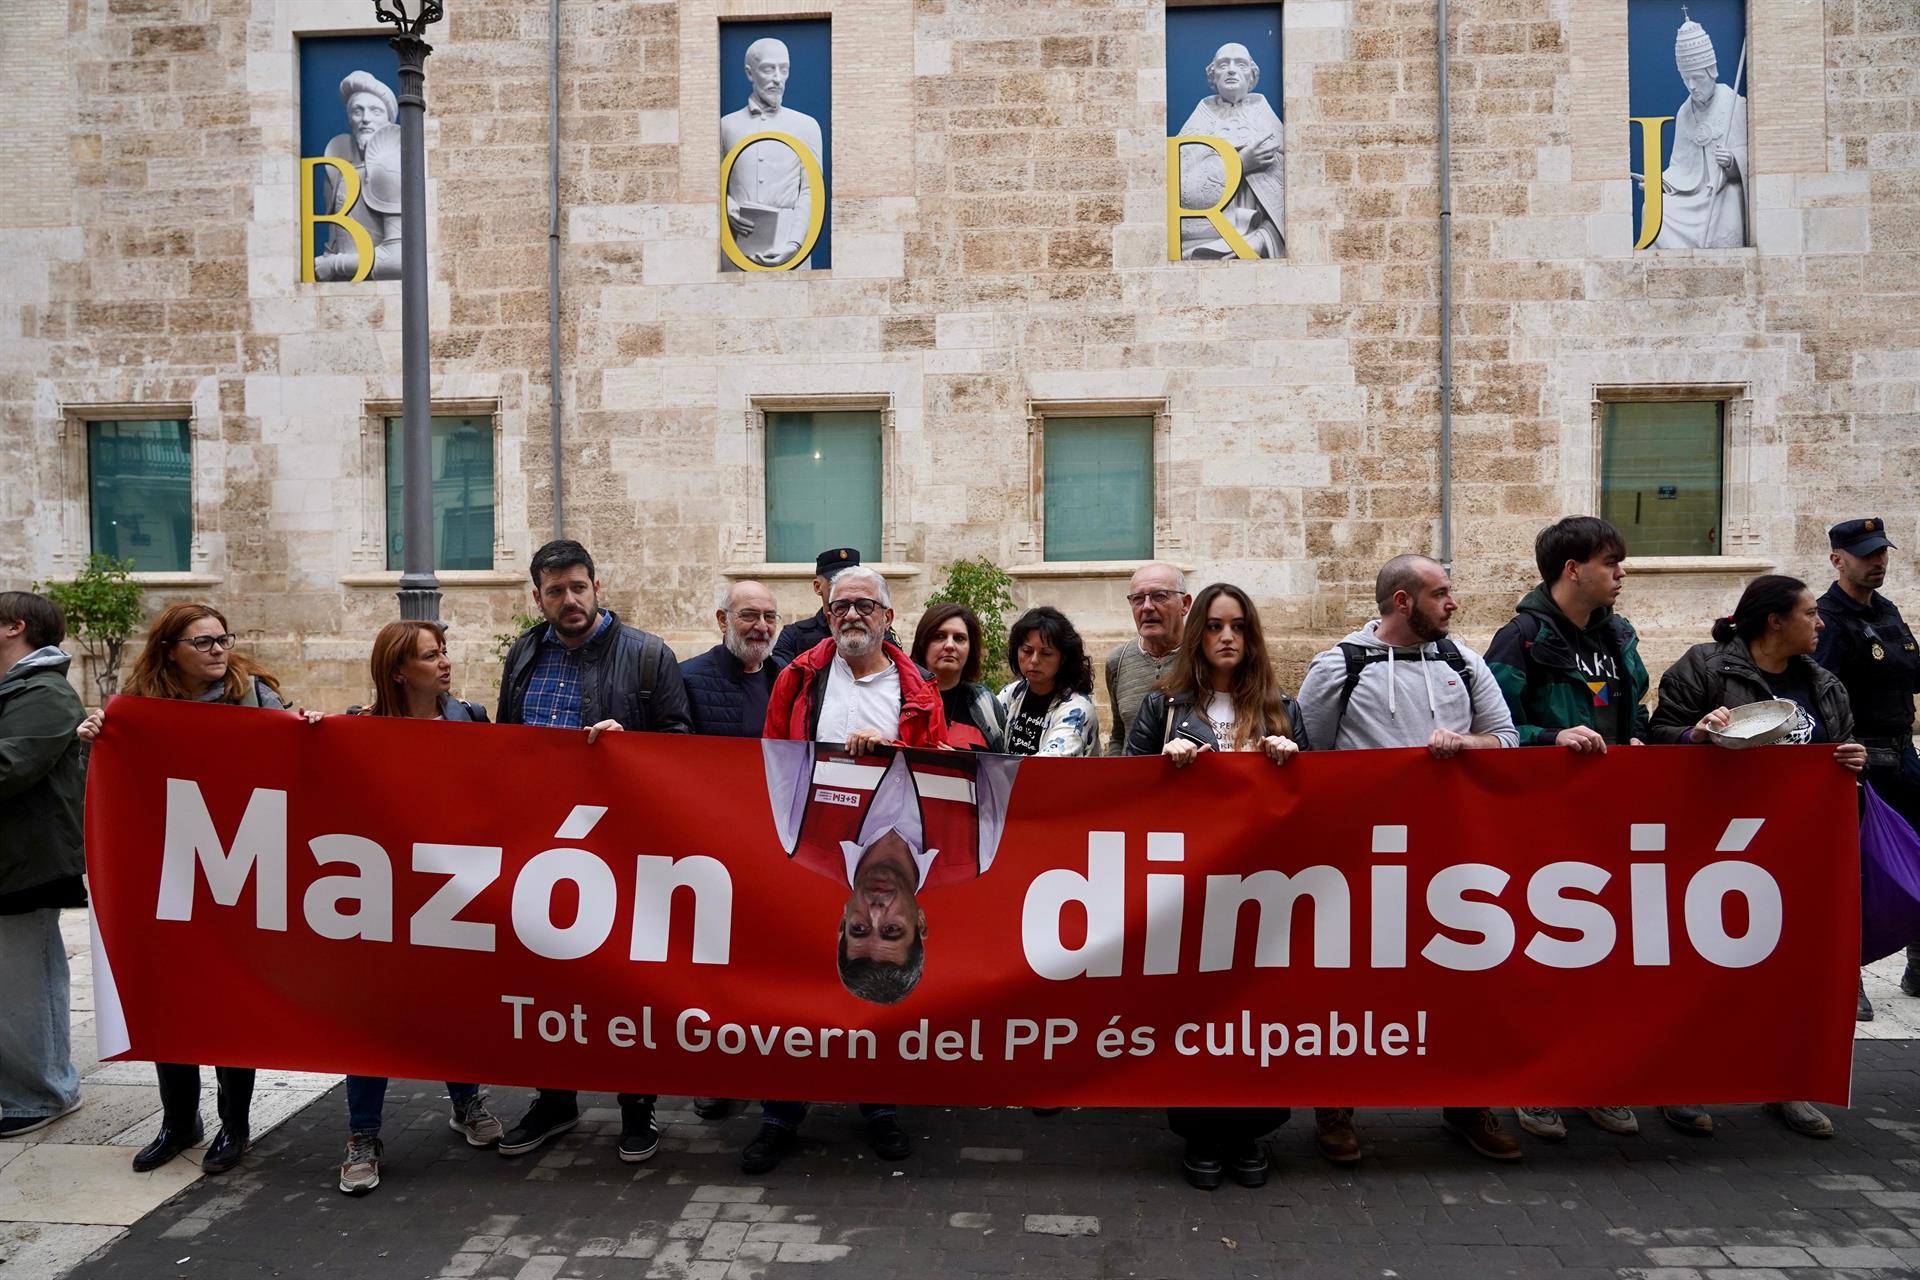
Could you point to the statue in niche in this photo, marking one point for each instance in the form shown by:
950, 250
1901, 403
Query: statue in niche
1703, 194
1243, 118
372, 146
769, 194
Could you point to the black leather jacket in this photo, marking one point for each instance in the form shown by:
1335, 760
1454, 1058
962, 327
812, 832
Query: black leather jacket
629, 675
1151, 732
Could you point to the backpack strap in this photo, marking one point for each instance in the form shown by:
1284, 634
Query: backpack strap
1360, 657
650, 647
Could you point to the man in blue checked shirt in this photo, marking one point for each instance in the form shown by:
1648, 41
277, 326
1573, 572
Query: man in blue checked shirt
582, 668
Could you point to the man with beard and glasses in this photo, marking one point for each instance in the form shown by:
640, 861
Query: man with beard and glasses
1401, 681
858, 690
583, 668
728, 685
727, 688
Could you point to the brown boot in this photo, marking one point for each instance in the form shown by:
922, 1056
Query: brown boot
1338, 1142
1483, 1132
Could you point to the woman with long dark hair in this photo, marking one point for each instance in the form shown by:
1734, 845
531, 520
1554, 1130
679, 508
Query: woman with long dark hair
1049, 708
412, 677
1762, 650
947, 643
189, 655
1221, 695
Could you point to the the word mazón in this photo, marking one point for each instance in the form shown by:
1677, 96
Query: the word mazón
259, 850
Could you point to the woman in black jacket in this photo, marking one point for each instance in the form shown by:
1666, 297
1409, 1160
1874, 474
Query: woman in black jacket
1762, 650
1220, 695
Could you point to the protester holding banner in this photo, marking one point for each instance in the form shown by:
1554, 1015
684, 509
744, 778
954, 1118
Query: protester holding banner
728, 685
412, 677
582, 668
1401, 681
1570, 669
947, 643
858, 690
43, 783
189, 654
1157, 596
1221, 695
1049, 708
1761, 651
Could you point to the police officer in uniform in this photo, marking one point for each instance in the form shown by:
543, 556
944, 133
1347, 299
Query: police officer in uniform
1871, 648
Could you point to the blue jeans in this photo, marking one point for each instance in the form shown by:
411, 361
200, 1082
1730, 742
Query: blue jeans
37, 1078
367, 1099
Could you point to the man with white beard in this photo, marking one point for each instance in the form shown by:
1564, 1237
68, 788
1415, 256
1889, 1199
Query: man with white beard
728, 685
860, 690
372, 146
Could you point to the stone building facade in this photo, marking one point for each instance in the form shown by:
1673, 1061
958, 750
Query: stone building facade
999, 257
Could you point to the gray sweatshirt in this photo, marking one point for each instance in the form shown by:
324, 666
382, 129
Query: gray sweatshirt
1399, 702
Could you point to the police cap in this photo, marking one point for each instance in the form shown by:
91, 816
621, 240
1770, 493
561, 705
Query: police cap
1859, 537
833, 560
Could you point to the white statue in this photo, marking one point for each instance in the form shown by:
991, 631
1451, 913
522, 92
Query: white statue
769, 195
372, 146
1243, 118
1703, 201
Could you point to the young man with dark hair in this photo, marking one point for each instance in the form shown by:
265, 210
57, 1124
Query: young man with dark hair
1570, 669
583, 668
42, 784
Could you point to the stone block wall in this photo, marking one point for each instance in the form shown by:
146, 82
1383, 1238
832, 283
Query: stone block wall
998, 243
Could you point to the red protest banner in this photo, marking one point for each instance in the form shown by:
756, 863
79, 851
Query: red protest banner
655, 913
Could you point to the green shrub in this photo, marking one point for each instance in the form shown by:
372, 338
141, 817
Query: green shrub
987, 589
103, 608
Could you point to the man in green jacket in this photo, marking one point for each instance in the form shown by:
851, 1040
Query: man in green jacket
42, 789
1568, 664
1570, 669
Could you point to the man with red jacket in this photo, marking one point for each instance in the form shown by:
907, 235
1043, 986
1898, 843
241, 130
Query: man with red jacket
853, 689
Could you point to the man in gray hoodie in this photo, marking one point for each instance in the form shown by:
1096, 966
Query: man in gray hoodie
1400, 681
42, 784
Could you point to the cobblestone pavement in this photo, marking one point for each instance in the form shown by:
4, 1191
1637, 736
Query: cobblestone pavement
1002, 1192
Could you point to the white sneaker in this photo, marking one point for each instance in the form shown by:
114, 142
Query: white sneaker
1620, 1120
1542, 1122
360, 1171
1803, 1117
477, 1123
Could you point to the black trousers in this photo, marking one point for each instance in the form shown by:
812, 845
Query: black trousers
571, 1098
1225, 1129
180, 1095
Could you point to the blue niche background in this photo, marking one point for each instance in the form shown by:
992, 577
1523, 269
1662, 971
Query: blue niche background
809, 89
1654, 87
324, 62
1195, 35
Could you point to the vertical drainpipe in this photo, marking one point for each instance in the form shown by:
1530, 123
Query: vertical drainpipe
553, 264
1446, 305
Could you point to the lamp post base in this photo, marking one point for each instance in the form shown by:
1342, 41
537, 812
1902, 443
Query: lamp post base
420, 603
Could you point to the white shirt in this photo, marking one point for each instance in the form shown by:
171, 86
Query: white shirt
860, 702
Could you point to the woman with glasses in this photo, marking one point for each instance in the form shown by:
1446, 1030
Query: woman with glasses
189, 655
947, 643
1221, 695
412, 677
1049, 709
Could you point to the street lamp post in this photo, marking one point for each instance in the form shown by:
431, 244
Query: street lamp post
419, 587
